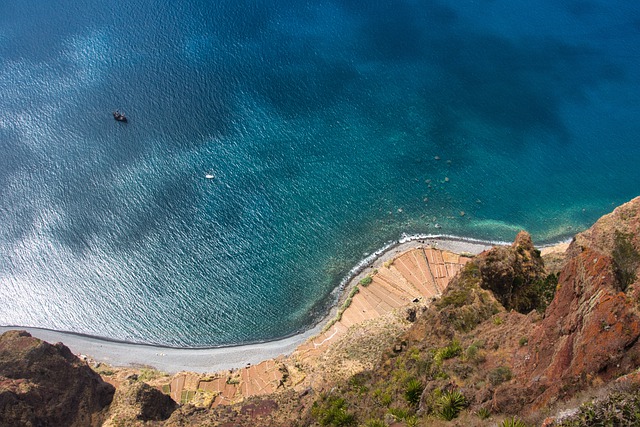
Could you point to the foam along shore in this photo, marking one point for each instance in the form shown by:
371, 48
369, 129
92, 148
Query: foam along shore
172, 360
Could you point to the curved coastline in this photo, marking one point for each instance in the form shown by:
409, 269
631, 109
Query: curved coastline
213, 359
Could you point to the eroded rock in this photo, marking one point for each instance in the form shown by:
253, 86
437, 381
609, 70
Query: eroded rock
44, 384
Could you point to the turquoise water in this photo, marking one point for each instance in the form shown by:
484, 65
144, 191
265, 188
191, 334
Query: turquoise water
331, 127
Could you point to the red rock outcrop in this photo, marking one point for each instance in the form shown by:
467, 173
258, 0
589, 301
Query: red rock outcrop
46, 385
589, 333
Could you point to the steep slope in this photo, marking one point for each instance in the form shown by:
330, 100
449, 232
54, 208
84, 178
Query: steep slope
509, 337
589, 333
45, 385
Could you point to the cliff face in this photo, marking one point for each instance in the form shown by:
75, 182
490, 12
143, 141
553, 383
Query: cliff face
530, 342
590, 331
46, 385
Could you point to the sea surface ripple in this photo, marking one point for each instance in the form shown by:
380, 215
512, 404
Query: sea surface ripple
331, 128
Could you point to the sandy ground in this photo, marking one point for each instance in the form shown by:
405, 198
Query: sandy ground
555, 249
172, 360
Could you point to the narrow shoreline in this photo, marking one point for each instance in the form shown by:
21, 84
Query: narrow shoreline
208, 360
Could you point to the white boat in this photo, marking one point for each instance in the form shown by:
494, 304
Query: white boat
209, 176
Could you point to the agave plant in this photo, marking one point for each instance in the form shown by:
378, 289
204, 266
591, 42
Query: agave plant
449, 405
513, 422
414, 391
483, 413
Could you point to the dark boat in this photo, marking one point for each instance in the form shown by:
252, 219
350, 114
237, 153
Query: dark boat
119, 116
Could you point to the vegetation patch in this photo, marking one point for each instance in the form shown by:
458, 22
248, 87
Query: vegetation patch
515, 276
626, 260
544, 290
465, 304
400, 413
341, 310
461, 293
449, 405
449, 352
620, 408
499, 375
147, 375
366, 281
513, 422
413, 391
332, 411
483, 413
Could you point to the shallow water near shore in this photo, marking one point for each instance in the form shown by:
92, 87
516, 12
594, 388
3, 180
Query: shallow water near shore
331, 128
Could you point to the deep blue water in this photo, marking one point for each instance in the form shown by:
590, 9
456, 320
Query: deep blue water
321, 121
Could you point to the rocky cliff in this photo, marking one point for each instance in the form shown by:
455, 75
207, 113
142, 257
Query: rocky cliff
509, 337
45, 385
589, 334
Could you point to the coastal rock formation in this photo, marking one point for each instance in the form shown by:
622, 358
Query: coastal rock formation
463, 306
589, 334
511, 337
512, 273
137, 401
43, 384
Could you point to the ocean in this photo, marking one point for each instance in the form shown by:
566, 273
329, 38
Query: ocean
331, 128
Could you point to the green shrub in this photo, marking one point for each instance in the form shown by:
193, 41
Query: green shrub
471, 353
353, 292
413, 392
499, 375
497, 320
483, 413
620, 408
399, 413
441, 375
543, 291
147, 374
366, 281
423, 366
357, 384
625, 260
375, 423
523, 341
462, 292
332, 411
449, 352
513, 422
449, 405
457, 298
411, 421
383, 397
